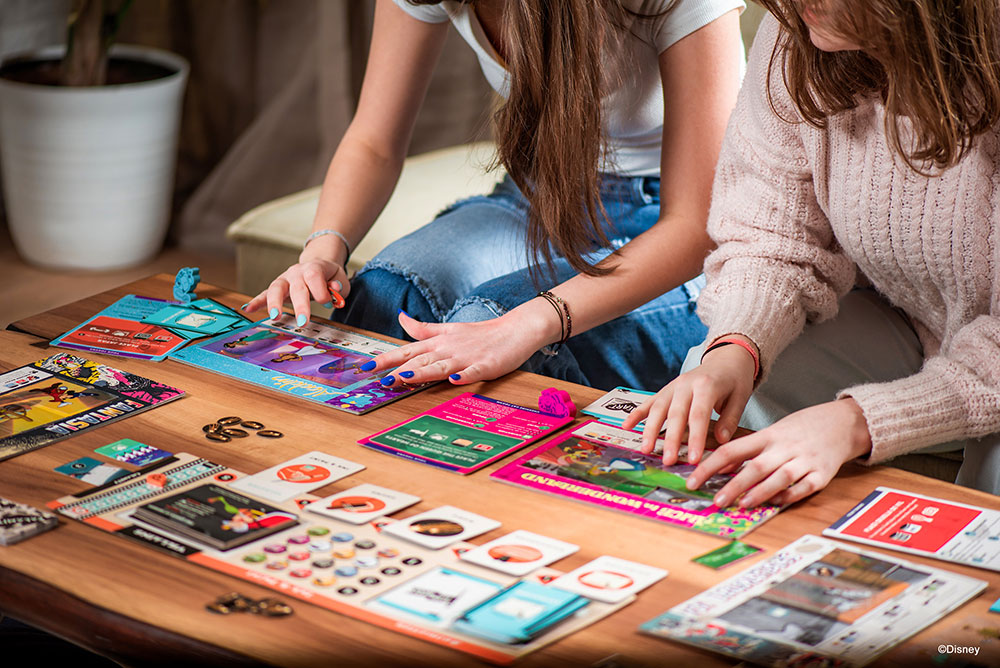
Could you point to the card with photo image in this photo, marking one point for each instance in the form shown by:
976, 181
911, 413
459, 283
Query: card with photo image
519, 552
441, 527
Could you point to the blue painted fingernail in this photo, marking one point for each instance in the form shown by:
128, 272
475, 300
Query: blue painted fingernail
455, 376
337, 285
328, 305
406, 374
273, 313
403, 312
388, 380
244, 307
300, 319
367, 366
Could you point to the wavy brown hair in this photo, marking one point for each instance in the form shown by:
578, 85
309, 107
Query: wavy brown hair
549, 132
935, 63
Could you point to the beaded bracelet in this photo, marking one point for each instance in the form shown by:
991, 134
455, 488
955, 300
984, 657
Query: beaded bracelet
320, 233
718, 343
565, 319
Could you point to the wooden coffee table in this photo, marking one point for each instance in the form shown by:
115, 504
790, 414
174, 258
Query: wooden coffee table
135, 605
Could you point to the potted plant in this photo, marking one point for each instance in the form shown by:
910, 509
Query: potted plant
88, 143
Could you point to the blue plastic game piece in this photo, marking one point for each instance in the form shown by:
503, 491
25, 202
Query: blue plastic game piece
186, 281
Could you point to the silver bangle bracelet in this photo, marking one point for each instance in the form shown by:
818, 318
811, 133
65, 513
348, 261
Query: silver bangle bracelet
321, 233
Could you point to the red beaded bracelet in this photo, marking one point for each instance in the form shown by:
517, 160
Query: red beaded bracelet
718, 343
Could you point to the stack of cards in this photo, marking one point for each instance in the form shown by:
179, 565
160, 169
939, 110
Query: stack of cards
202, 317
362, 504
297, 476
19, 521
132, 452
616, 405
441, 527
440, 595
609, 579
519, 613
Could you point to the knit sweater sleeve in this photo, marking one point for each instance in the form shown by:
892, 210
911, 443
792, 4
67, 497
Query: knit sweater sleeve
777, 265
956, 395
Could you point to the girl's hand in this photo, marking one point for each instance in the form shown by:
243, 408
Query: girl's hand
464, 352
317, 279
791, 459
723, 382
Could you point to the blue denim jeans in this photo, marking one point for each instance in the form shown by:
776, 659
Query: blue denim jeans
471, 264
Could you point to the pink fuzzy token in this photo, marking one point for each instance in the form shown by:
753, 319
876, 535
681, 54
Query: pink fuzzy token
556, 402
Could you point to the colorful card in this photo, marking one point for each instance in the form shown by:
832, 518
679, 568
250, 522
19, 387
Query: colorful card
19, 521
726, 555
519, 552
582, 466
119, 330
441, 527
616, 405
466, 433
599, 432
520, 612
363, 503
297, 476
132, 452
319, 363
92, 471
192, 320
440, 595
609, 579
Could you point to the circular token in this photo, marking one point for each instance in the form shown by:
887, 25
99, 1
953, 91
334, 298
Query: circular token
342, 537
317, 531
324, 581
232, 419
251, 424
271, 607
277, 565
298, 540
270, 433
225, 477
300, 572
344, 553
388, 552
234, 432
215, 426
346, 571
370, 580
299, 556
413, 561
322, 563
366, 562
217, 436
255, 557
365, 544
274, 548
347, 591
219, 608
320, 546
390, 570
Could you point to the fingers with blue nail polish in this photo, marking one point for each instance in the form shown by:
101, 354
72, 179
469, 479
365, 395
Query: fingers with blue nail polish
406, 374
300, 319
244, 307
273, 313
388, 380
455, 376
367, 366
328, 305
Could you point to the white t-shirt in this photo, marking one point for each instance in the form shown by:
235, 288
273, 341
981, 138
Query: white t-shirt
633, 111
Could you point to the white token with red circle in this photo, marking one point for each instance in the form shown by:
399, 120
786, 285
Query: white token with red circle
519, 552
609, 579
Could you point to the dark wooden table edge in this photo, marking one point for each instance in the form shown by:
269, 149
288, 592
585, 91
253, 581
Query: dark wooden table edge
118, 637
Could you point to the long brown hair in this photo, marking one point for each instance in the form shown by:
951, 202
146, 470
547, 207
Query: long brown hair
935, 63
549, 132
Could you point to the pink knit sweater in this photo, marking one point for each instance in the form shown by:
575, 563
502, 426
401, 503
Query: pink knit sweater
797, 211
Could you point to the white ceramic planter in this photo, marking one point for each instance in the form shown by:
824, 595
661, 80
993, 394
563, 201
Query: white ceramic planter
88, 172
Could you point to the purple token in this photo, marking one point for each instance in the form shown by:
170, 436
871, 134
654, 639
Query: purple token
274, 548
298, 540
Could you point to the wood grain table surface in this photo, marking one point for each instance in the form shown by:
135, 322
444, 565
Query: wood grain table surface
140, 607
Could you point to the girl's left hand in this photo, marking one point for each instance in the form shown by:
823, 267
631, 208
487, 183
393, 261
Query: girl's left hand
791, 459
463, 352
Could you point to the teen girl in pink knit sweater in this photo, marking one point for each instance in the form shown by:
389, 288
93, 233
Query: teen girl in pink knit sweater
864, 150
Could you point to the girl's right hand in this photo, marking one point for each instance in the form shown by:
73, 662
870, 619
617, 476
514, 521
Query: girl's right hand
723, 382
315, 279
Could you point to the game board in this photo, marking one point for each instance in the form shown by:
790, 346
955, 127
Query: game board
586, 465
320, 363
58, 396
345, 568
